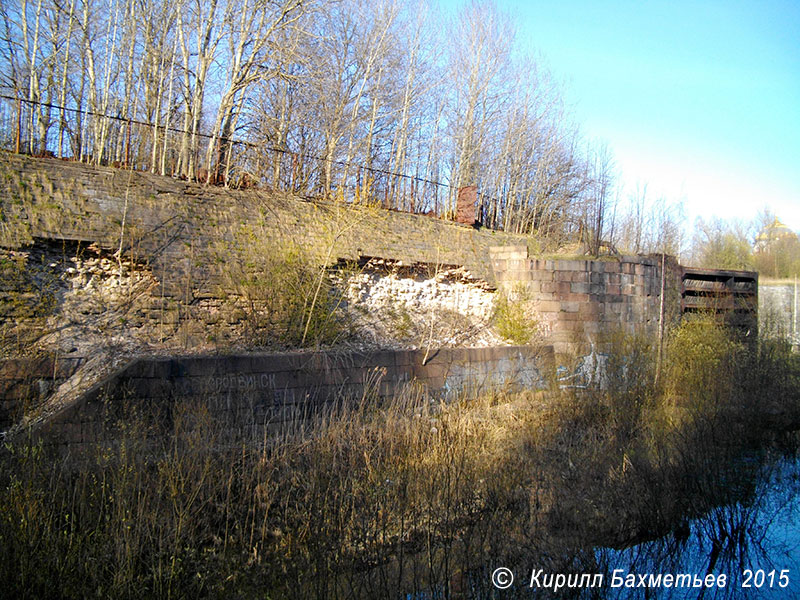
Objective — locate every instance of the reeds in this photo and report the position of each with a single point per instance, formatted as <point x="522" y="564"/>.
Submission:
<point x="415" y="496"/>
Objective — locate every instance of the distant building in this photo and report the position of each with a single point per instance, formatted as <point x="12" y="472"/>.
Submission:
<point x="774" y="232"/>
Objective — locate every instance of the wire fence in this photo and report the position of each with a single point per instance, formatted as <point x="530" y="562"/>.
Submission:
<point x="96" y="137"/>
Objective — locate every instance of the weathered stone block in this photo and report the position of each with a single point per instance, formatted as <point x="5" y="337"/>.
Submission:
<point x="520" y="275"/>
<point x="571" y="265"/>
<point x="499" y="264"/>
<point x="568" y="326"/>
<point x="516" y="264"/>
<point x="549" y="287"/>
<point x="548" y="306"/>
<point x="611" y="267"/>
<point x="515" y="252"/>
<point x="580" y="276"/>
<point x="581" y="288"/>
<point x="582" y="298"/>
<point x="571" y="307"/>
<point x="591" y="327"/>
<point x="590" y="309"/>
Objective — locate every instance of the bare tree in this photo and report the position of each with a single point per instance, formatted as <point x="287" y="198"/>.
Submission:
<point x="482" y="39"/>
<point x="598" y="197"/>
<point x="249" y="26"/>
<point x="200" y="18"/>
<point x="720" y="244"/>
<point x="328" y="95"/>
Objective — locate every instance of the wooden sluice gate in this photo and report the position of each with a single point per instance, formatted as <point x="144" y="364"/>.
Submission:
<point x="732" y="295"/>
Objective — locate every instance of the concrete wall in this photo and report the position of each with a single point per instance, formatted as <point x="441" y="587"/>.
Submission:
<point x="249" y="392"/>
<point x="778" y="308"/>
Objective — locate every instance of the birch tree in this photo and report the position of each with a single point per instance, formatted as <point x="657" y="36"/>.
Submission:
<point x="479" y="61"/>
<point x="200" y="18"/>
<point x="250" y="27"/>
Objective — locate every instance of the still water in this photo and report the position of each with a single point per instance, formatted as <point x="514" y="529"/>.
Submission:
<point x="752" y="545"/>
<point x="748" y="547"/>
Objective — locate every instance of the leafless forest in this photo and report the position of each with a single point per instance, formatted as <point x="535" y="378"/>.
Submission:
<point x="389" y="101"/>
<point x="392" y="102"/>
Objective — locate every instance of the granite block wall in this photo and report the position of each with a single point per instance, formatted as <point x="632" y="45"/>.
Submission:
<point x="248" y="393"/>
<point x="172" y="223"/>
<point x="578" y="300"/>
<point x="27" y="381"/>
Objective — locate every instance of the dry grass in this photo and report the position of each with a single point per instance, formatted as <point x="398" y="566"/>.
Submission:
<point x="361" y="501"/>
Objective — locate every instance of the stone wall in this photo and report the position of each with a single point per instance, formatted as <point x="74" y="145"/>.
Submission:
<point x="172" y="223"/>
<point x="27" y="381"/>
<point x="203" y="248"/>
<point x="577" y="301"/>
<point x="175" y="227"/>
<point x="249" y="392"/>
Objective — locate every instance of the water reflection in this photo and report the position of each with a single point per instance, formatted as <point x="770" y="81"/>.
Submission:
<point x="753" y="541"/>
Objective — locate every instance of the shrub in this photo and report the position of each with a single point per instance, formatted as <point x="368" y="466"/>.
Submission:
<point x="285" y="296"/>
<point x="514" y="318"/>
<point x="701" y="365"/>
<point x="413" y="497"/>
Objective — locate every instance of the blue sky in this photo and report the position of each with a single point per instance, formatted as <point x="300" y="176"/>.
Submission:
<point x="698" y="100"/>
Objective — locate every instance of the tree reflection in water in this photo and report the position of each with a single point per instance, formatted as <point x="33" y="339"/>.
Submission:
<point x="752" y="540"/>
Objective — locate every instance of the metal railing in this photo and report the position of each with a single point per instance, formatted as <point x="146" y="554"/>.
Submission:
<point x="96" y="137"/>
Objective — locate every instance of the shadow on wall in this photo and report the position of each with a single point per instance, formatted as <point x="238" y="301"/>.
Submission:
<point x="260" y="390"/>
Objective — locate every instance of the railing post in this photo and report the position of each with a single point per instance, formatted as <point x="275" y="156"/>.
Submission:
<point x="128" y="145"/>
<point x="19" y="125"/>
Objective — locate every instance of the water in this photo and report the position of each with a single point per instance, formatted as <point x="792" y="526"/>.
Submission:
<point x="745" y="547"/>
<point x="750" y="544"/>
<point x="753" y="542"/>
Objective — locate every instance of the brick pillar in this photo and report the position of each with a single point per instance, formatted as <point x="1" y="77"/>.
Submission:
<point x="467" y="205"/>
